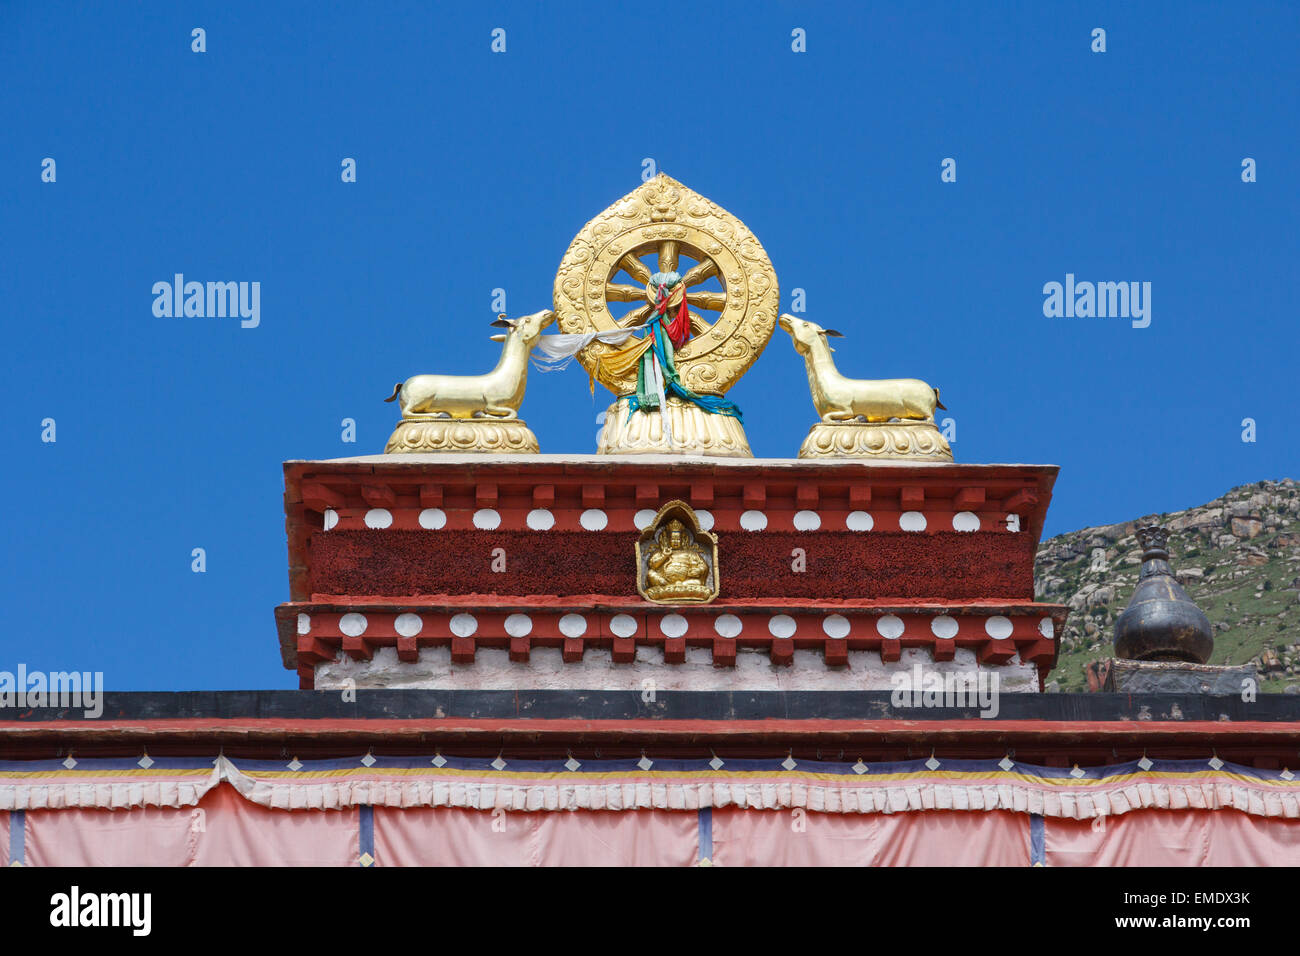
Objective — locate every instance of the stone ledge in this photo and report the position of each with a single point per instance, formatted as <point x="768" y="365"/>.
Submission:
<point x="1176" y="677"/>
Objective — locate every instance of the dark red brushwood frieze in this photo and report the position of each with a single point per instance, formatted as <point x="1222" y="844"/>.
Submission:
<point x="949" y="565"/>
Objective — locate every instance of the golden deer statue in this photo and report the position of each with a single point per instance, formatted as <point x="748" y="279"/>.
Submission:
<point x="841" y="399"/>
<point x="497" y="395"/>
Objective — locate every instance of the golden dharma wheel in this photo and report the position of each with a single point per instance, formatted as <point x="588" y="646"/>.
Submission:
<point x="663" y="220"/>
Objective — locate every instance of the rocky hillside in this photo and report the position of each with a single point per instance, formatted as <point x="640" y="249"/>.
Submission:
<point x="1238" y="557"/>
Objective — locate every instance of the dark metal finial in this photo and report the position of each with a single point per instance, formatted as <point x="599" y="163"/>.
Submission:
<point x="1161" y="623"/>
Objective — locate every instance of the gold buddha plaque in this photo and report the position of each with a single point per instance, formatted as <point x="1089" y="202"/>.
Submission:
<point x="676" y="559"/>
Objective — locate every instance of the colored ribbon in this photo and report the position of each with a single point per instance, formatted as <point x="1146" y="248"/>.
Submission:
<point x="652" y="355"/>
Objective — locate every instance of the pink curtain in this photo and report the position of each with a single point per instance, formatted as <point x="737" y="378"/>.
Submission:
<point x="930" y="838"/>
<point x="143" y="836"/>
<point x="641" y="838"/>
<point x="227" y="830"/>
<point x="1174" y="838"/>
<point x="4" y="837"/>
<point x="223" y="830"/>
<point x="239" y="833"/>
<point x="422" y="836"/>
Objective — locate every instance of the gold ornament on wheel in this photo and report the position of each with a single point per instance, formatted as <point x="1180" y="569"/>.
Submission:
<point x="665" y="256"/>
<point x="676" y="559"/>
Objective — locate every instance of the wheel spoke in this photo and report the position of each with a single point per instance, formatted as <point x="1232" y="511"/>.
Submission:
<point x="635" y="268"/>
<point x="700" y="272"/>
<point x="614" y="292"/>
<point x="635" y="316"/>
<point x="668" y="255"/>
<point x="698" y="325"/>
<point x="713" y="301"/>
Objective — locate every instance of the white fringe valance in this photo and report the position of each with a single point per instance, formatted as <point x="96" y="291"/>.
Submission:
<point x="612" y="785"/>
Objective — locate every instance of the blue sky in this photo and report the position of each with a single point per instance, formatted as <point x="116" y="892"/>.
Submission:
<point x="474" y="172"/>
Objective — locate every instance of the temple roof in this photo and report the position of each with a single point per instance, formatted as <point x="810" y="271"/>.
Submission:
<point x="1050" y="729"/>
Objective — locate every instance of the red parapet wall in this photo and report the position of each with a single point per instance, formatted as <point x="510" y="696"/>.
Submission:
<point x="315" y="633"/>
<point x="838" y="564"/>
<point x="421" y="524"/>
<point x="824" y="554"/>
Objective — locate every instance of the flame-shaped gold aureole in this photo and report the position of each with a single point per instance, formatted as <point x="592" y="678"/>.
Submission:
<point x="664" y="218"/>
<point x="676" y="559"/>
